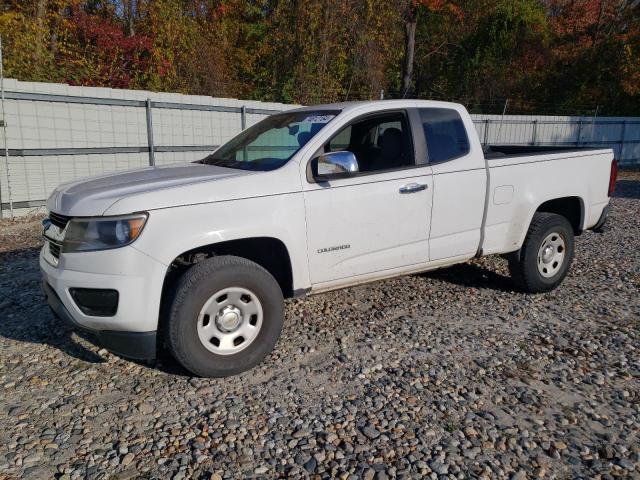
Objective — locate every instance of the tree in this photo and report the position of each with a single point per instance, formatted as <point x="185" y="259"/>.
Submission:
<point x="411" y="11"/>
<point x="594" y="53"/>
<point x="310" y="52"/>
<point x="550" y="55"/>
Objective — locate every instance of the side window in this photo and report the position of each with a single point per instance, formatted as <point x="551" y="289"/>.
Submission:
<point x="381" y="142"/>
<point x="382" y="127"/>
<point x="445" y="134"/>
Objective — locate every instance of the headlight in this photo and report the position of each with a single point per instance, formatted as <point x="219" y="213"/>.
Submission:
<point x="102" y="233"/>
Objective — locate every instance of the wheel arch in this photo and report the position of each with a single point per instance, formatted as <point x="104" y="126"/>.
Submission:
<point x="269" y="252"/>
<point x="570" y="207"/>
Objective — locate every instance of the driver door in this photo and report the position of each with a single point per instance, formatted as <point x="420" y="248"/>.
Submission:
<point x="376" y="221"/>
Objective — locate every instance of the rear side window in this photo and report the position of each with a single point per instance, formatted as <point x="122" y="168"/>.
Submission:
<point x="445" y="134"/>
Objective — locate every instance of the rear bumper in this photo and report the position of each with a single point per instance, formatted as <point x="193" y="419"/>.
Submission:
<point x="136" y="345"/>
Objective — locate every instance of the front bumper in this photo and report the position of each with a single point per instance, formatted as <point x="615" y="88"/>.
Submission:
<point x="136" y="345"/>
<point x="138" y="278"/>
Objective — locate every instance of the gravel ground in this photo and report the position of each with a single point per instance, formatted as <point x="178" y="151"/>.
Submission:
<point x="449" y="374"/>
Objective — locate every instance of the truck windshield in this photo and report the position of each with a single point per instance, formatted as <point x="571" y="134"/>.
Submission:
<point x="270" y="143"/>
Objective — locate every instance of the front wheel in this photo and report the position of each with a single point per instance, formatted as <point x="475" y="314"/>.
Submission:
<point x="546" y="254"/>
<point x="226" y="316"/>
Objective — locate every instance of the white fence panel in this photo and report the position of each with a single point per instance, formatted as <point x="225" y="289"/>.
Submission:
<point x="57" y="133"/>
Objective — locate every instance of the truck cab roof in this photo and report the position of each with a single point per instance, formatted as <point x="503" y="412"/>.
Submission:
<point x="379" y="105"/>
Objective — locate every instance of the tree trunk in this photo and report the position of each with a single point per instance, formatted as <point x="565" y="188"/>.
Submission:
<point x="129" y="13"/>
<point x="55" y="26"/>
<point x="41" y="10"/>
<point x="409" y="49"/>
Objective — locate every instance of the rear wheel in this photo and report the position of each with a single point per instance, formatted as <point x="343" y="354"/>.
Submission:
<point x="226" y="316"/>
<point x="546" y="254"/>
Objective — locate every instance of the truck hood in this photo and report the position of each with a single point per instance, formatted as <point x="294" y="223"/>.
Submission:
<point x="95" y="195"/>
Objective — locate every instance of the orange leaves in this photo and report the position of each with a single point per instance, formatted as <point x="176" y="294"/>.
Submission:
<point x="584" y="21"/>
<point x="631" y="71"/>
<point x="439" y="6"/>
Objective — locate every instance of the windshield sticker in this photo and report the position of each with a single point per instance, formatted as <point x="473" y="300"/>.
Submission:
<point x="319" y="118"/>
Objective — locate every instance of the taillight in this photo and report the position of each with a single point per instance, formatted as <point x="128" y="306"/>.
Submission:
<point x="613" y="177"/>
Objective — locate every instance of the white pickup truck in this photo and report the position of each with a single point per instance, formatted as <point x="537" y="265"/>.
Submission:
<point x="202" y="255"/>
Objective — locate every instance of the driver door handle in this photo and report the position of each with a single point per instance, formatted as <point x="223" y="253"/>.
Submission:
<point x="413" y="187"/>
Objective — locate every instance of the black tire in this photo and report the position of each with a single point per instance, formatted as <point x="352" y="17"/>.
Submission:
<point x="195" y="288"/>
<point x="523" y="264"/>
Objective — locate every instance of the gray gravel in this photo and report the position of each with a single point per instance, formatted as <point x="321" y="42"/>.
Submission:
<point x="449" y="374"/>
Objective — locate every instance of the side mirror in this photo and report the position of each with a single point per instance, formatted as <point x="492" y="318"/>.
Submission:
<point x="333" y="165"/>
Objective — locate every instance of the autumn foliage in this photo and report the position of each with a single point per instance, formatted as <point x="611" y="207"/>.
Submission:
<point x="544" y="55"/>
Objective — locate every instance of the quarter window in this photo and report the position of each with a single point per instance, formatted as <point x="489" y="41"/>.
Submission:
<point x="445" y="134"/>
<point x="341" y="141"/>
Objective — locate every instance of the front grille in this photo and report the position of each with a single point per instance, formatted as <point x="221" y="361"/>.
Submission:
<point x="54" y="249"/>
<point x="58" y="220"/>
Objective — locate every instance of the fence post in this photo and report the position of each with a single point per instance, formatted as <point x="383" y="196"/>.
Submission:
<point x="593" y="124"/>
<point x="486" y="131"/>
<point x="534" y="138"/>
<point x="243" y="117"/>
<point x="4" y="135"/>
<point x="152" y="158"/>
<point x="579" y="132"/>
<point x="4" y="126"/>
<point x="504" y="112"/>
<point x="243" y="125"/>
<point x="623" y="134"/>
